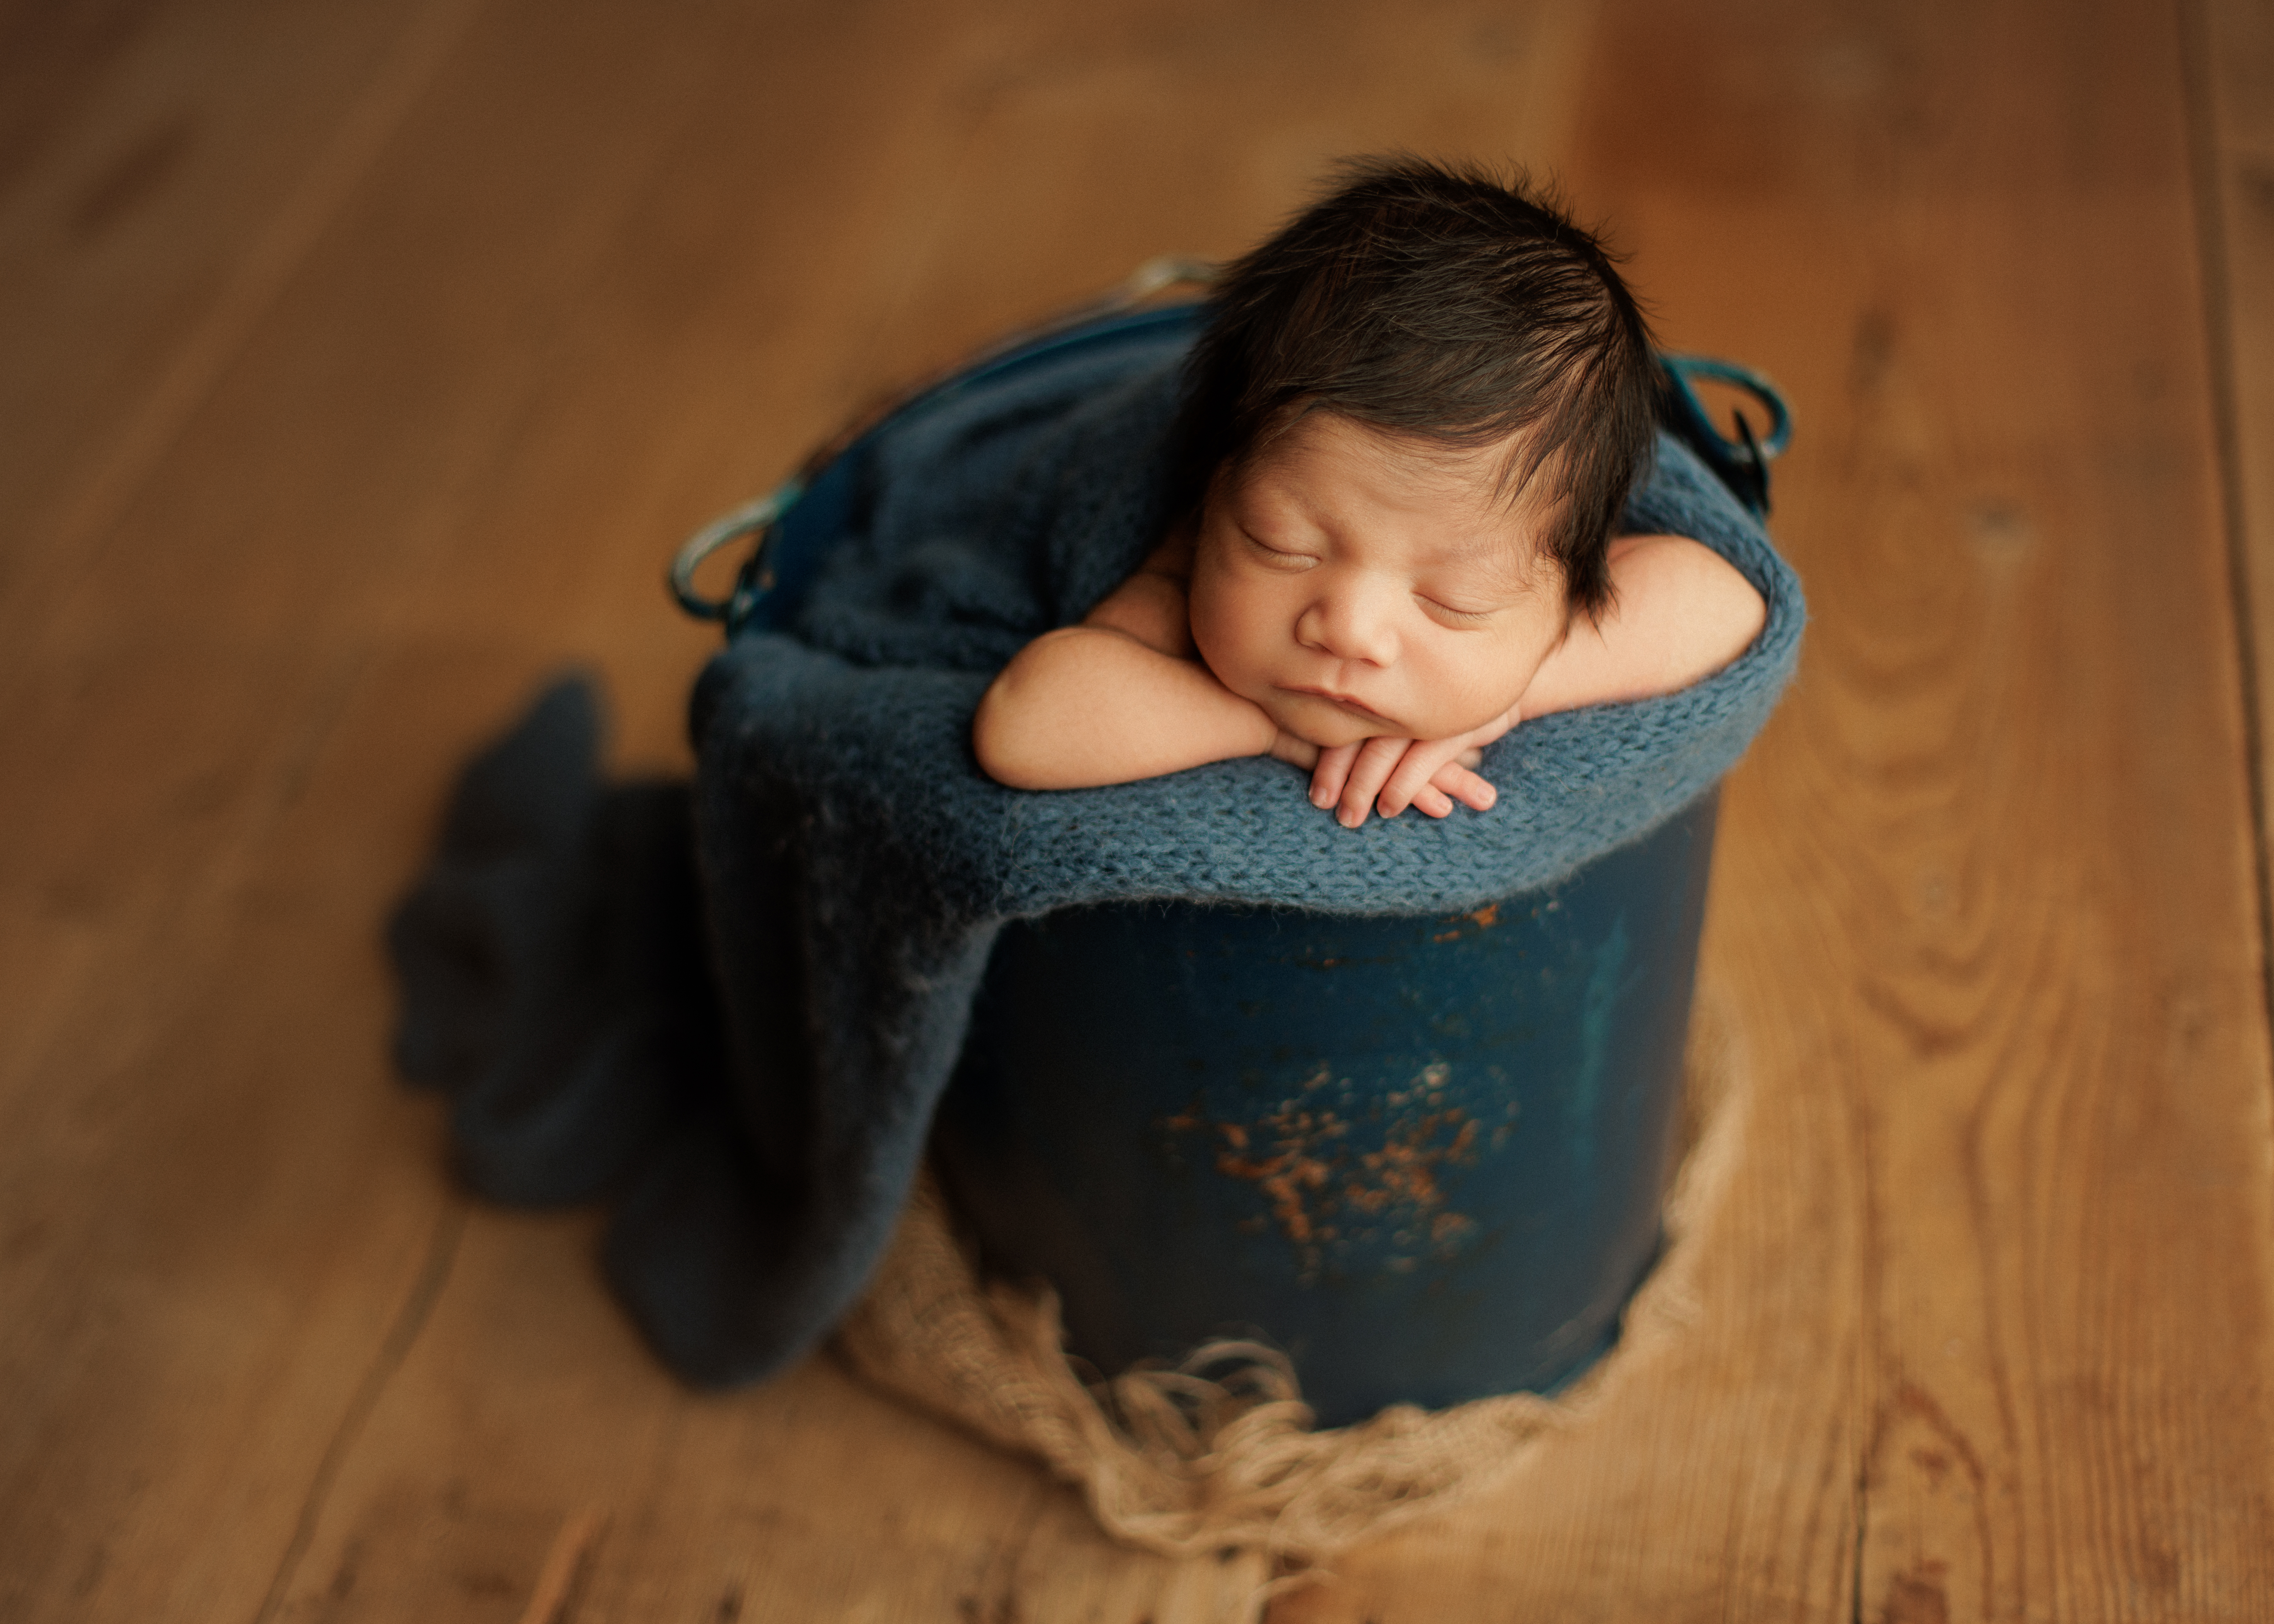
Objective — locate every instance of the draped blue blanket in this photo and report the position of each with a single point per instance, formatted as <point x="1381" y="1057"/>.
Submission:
<point x="852" y="865"/>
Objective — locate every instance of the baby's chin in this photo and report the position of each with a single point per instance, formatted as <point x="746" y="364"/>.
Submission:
<point x="1322" y="722"/>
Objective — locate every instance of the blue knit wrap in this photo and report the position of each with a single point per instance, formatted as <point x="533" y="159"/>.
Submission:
<point x="857" y="865"/>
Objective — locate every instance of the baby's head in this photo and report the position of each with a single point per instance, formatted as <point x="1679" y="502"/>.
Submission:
<point x="1408" y="430"/>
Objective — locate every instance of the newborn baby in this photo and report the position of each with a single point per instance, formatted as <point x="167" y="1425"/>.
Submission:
<point x="1408" y="431"/>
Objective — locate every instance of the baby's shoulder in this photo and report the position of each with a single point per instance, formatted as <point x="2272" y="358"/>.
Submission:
<point x="1699" y="611"/>
<point x="1686" y="576"/>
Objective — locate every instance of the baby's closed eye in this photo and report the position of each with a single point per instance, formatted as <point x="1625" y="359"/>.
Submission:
<point x="1277" y="558"/>
<point x="1453" y="613"/>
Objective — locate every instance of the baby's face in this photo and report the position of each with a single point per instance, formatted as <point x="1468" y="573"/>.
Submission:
<point x="1356" y="583"/>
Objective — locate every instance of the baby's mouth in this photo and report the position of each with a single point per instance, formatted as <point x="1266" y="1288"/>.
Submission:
<point x="1342" y="702"/>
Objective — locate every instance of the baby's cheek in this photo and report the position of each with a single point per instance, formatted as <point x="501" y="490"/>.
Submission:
<point x="1466" y="701"/>
<point x="1224" y="641"/>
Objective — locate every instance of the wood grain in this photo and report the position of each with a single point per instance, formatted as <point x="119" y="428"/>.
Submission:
<point x="364" y="363"/>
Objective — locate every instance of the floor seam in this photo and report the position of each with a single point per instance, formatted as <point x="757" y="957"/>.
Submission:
<point x="402" y="1336"/>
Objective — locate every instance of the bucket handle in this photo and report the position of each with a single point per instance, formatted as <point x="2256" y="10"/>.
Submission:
<point x="755" y="580"/>
<point x="1743" y="463"/>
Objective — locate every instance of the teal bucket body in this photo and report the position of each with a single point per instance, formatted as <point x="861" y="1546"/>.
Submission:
<point x="1425" y="1156"/>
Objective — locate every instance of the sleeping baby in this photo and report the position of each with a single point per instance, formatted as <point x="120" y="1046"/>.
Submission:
<point x="1408" y="431"/>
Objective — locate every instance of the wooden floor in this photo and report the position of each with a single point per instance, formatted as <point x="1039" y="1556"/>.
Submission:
<point x="360" y="362"/>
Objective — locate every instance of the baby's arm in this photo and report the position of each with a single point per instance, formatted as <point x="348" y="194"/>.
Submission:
<point x="1679" y="612"/>
<point x="1121" y="696"/>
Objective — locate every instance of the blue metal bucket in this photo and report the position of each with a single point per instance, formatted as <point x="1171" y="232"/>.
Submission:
<point x="1425" y="1156"/>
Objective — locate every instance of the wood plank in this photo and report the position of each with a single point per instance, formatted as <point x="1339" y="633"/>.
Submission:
<point x="2233" y="44"/>
<point x="163" y="168"/>
<point x="1982" y="906"/>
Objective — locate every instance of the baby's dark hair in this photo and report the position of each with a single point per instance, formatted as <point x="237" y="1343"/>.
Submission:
<point x="1447" y="304"/>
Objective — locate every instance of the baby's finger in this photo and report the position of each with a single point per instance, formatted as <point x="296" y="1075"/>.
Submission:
<point x="1331" y="773"/>
<point x="1412" y="774"/>
<point x="1432" y="800"/>
<point x="1375" y="759"/>
<point x="1465" y="786"/>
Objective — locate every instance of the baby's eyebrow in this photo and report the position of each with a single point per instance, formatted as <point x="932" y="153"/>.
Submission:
<point x="1497" y="567"/>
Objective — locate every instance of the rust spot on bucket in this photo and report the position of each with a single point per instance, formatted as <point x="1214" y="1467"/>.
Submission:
<point x="1484" y="919"/>
<point x="1286" y="1179"/>
<point x="1321" y="1190"/>
<point x="1446" y="1227"/>
<point x="1404" y="1172"/>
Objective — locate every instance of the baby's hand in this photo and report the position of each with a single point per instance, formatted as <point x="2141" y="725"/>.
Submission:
<point x="1390" y="774"/>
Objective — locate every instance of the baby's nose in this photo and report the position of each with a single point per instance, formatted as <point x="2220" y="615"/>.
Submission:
<point x="1352" y="624"/>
